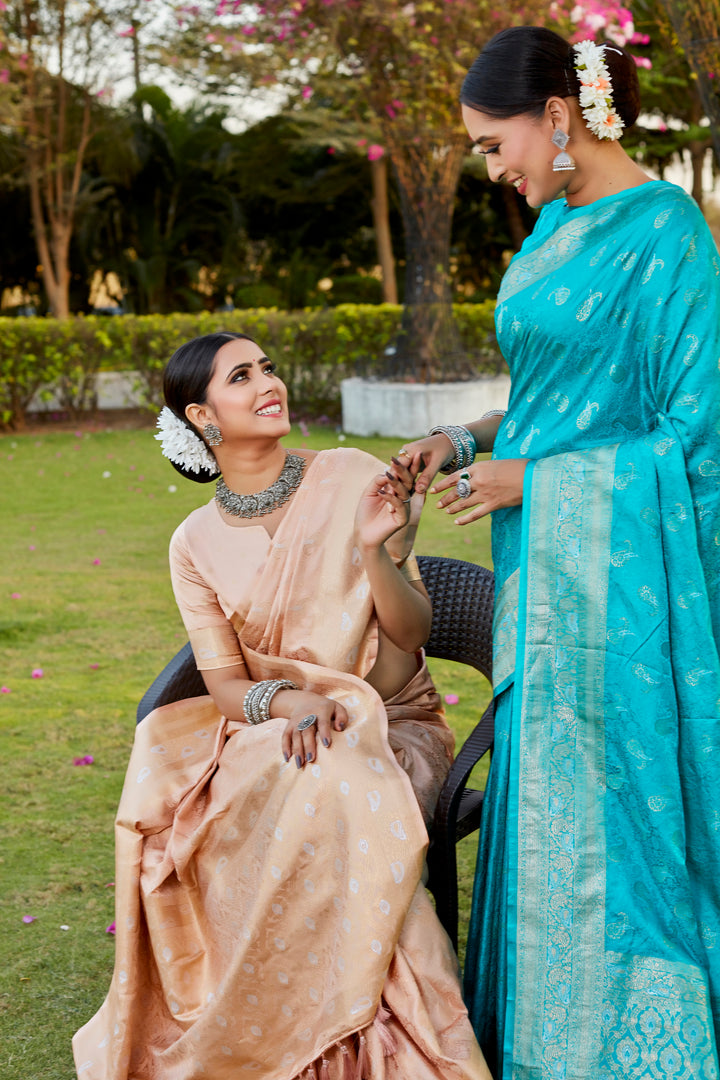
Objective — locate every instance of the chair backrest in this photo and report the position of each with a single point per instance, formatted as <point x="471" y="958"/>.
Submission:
<point x="462" y="595"/>
<point x="180" y="679"/>
<point x="462" y="599"/>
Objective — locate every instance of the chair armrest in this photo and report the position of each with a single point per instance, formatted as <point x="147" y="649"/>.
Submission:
<point x="477" y="744"/>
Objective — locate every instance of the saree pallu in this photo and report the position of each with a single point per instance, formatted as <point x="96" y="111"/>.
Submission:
<point x="270" y="920"/>
<point x="594" y="949"/>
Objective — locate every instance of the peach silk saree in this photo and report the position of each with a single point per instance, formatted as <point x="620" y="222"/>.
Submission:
<point x="271" y="921"/>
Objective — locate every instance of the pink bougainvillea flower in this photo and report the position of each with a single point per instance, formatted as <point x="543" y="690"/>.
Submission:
<point x="37" y="673"/>
<point x="94" y="667"/>
<point x="31" y="547"/>
<point x="5" y="690"/>
<point x="96" y="562"/>
<point x="451" y="699"/>
<point x="331" y="150"/>
<point x="29" y="918"/>
<point x="4" y="75"/>
<point x="375" y="152"/>
<point x="15" y="596"/>
<point x="110" y="929"/>
<point x="87" y="760"/>
<point x="307" y="92"/>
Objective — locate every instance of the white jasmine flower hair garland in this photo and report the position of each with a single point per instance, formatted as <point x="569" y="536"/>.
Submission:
<point x="596" y="99"/>
<point x="183" y="446"/>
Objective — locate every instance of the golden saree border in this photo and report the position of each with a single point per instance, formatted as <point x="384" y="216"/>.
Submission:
<point x="410" y="569"/>
<point x="215" y="647"/>
<point x="664" y="1027"/>
<point x="560" y="892"/>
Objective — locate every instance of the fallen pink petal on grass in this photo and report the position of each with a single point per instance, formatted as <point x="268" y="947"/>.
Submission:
<point x="96" y="562"/>
<point x="451" y="699"/>
<point x="87" y="760"/>
<point x="29" y="918"/>
<point x="5" y="690"/>
<point x="94" y="667"/>
<point x="16" y="596"/>
<point x="110" y="929"/>
<point x="37" y="673"/>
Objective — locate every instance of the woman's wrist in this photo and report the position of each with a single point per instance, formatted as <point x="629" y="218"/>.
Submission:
<point x="257" y="700"/>
<point x="485" y="429"/>
<point x="463" y="445"/>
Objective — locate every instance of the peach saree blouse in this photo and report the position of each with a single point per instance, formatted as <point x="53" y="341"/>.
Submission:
<point x="270" y="921"/>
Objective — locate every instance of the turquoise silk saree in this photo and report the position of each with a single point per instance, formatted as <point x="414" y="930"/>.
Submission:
<point x="594" y="946"/>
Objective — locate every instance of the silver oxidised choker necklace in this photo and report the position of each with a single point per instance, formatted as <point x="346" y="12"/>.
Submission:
<point x="263" y="502"/>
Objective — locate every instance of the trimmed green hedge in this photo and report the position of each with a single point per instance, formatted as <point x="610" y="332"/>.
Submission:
<point x="314" y="349"/>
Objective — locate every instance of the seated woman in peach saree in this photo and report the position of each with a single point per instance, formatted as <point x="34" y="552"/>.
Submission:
<point x="270" y="915"/>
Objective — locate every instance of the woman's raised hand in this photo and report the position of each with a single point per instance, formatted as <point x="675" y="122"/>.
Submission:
<point x="298" y="706"/>
<point x="386" y="505"/>
<point x="425" y="457"/>
<point x="493" y="485"/>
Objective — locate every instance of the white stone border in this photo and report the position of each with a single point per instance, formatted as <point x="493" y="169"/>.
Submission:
<point x="114" y="389"/>
<point x="409" y="410"/>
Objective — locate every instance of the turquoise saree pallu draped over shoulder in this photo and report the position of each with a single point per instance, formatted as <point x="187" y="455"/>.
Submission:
<point x="594" y="945"/>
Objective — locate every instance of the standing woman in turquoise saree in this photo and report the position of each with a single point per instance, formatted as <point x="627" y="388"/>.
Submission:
<point x="594" y="944"/>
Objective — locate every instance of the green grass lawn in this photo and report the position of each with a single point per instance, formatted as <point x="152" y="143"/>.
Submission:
<point x="85" y="600"/>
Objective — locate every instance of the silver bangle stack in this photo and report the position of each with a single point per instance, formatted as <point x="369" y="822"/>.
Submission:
<point x="256" y="702"/>
<point x="463" y="444"/>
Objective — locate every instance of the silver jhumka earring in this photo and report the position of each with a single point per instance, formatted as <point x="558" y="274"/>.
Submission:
<point x="212" y="435"/>
<point x="562" y="162"/>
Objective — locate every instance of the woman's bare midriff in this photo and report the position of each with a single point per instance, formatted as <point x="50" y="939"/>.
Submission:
<point x="393" y="669"/>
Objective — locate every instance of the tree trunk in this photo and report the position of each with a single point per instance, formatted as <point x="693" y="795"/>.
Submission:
<point x="381" y="222"/>
<point x="428" y="348"/>
<point x="697" y="160"/>
<point x="518" y="232"/>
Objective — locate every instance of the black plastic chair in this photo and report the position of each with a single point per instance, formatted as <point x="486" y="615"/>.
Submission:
<point x="462" y="596"/>
<point x="462" y="601"/>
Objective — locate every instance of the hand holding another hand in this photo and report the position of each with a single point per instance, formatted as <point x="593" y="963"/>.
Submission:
<point x="494" y="484"/>
<point x="388" y="504"/>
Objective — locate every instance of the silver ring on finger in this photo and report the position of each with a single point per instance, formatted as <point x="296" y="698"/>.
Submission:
<point x="463" y="488"/>
<point x="307" y="721"/>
